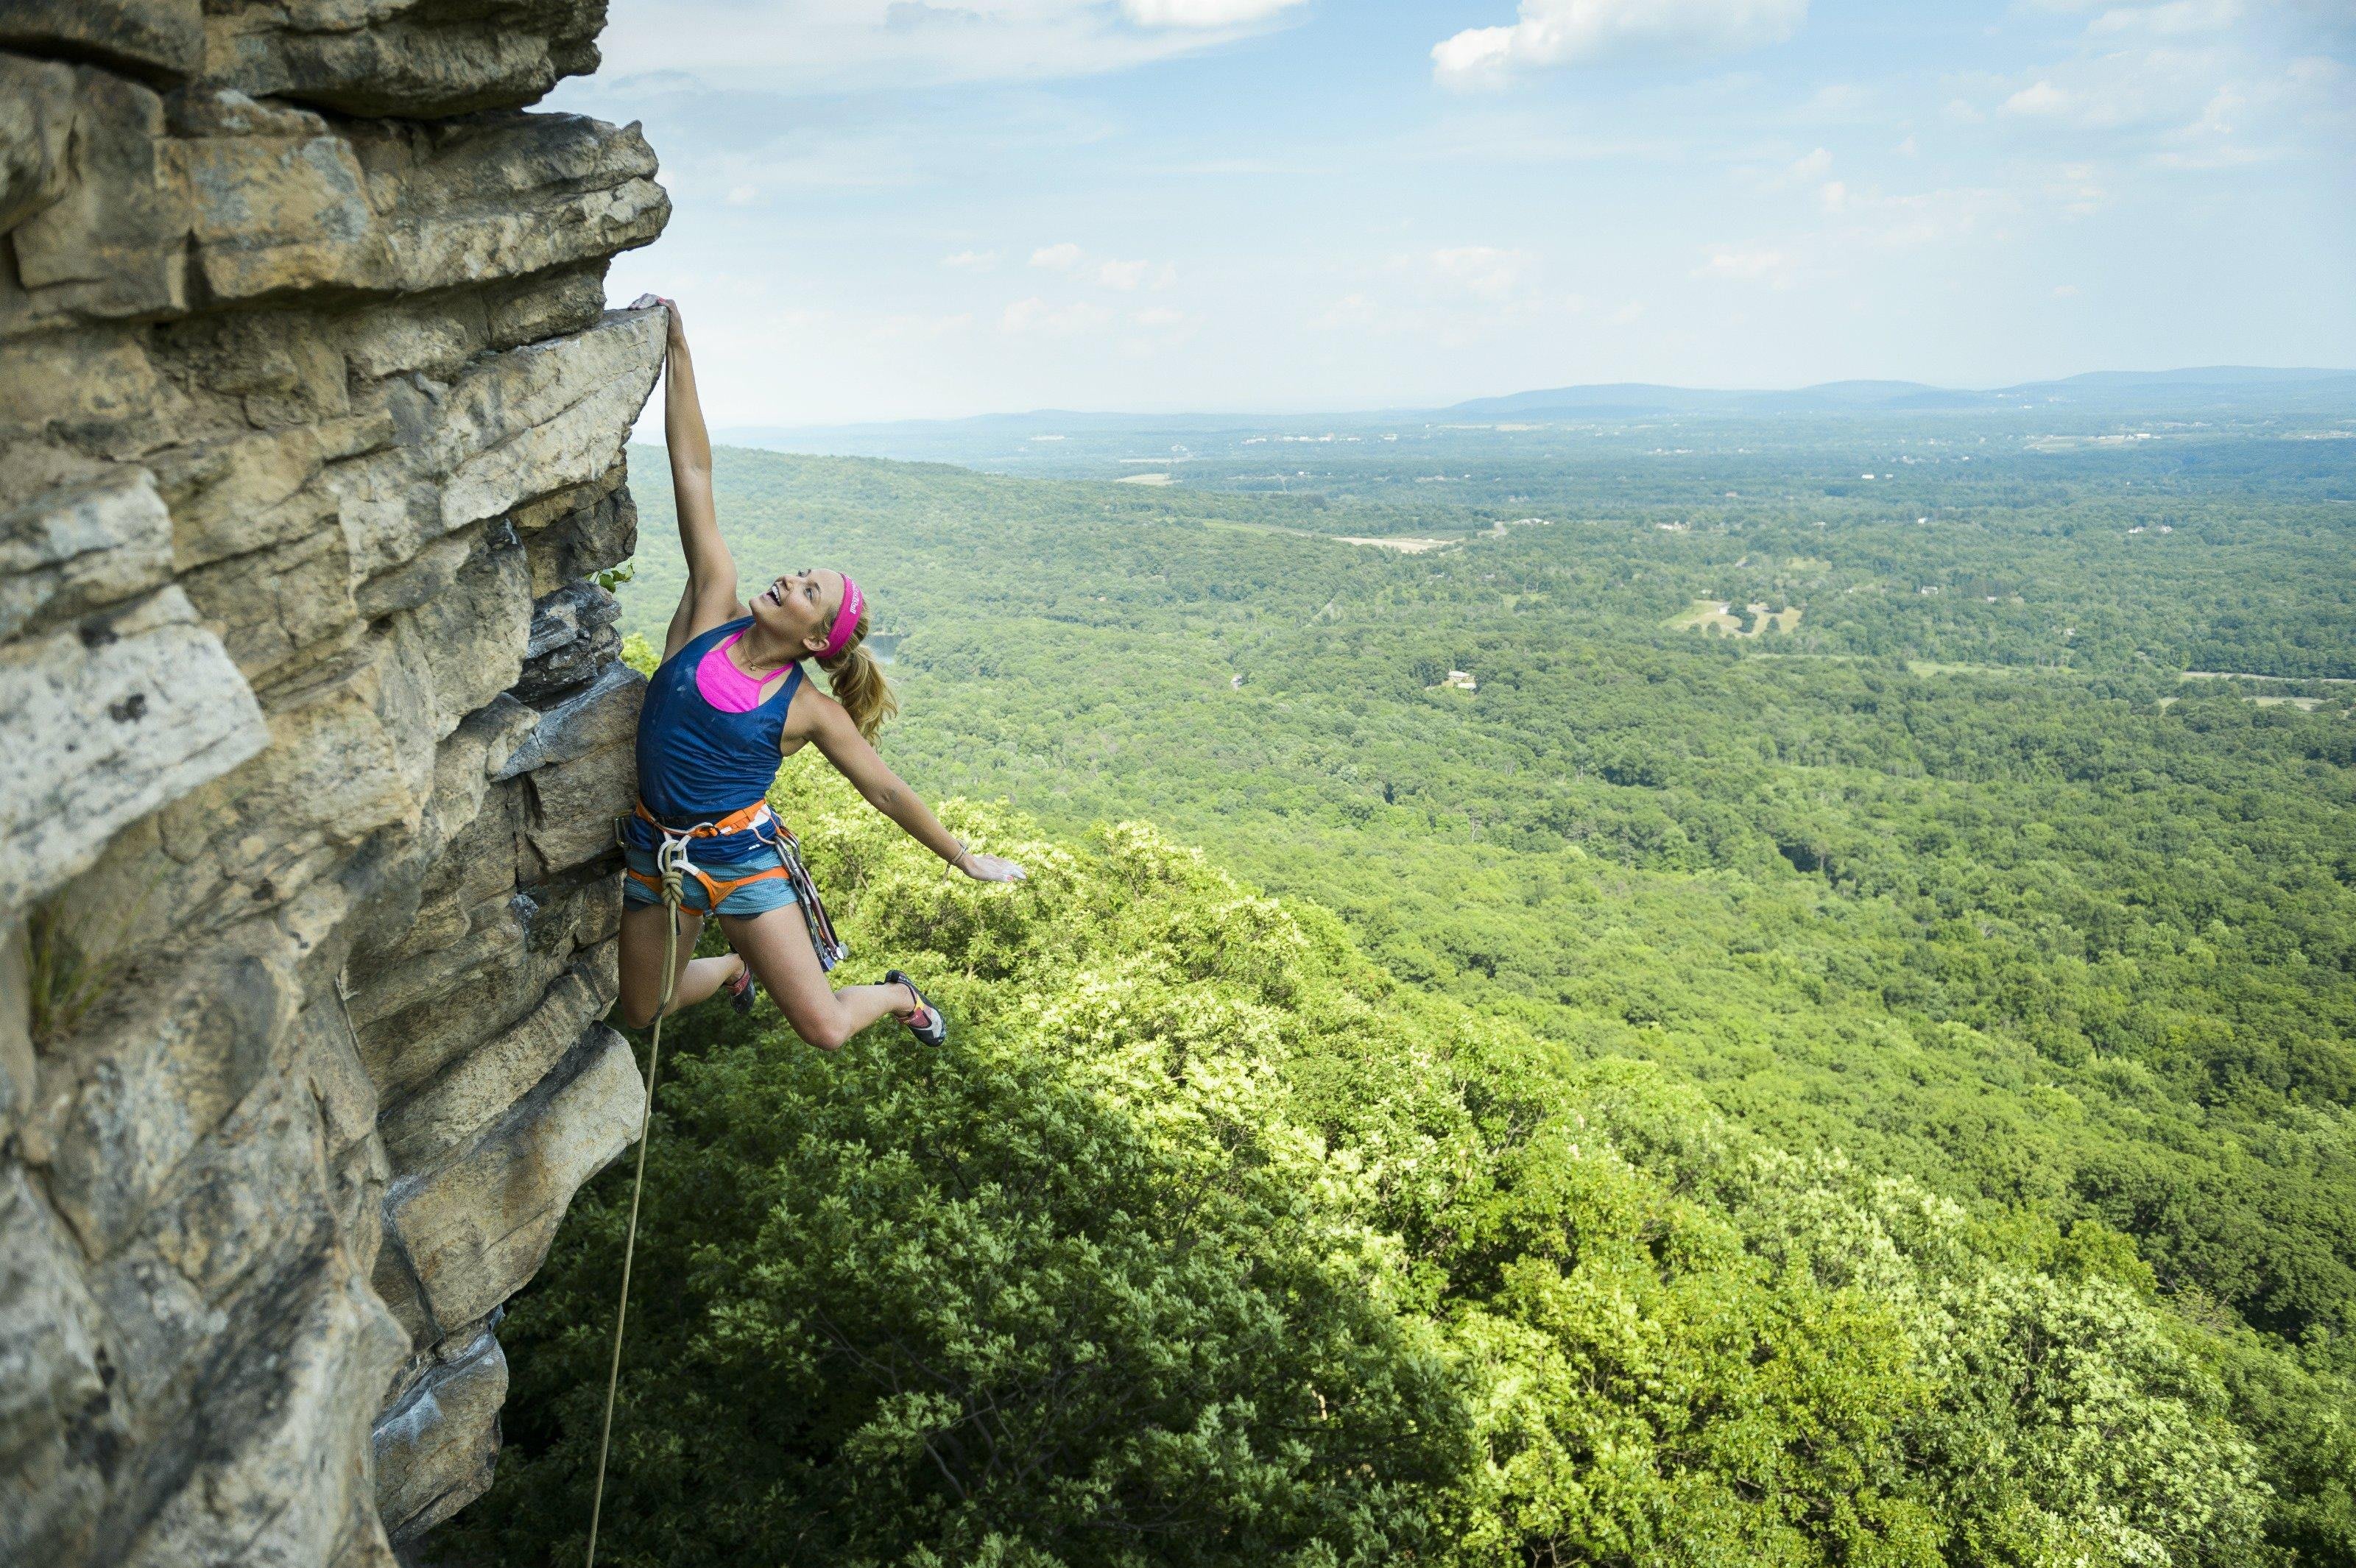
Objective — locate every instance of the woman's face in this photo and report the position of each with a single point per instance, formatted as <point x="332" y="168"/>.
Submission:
<point x="801" y="607"/>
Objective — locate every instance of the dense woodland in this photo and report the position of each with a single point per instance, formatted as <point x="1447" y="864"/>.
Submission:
<point x="1873" y="1089"/>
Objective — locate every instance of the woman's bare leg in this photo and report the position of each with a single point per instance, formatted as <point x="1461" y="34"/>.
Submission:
<point x="778" y="945"/>
<point x="642" y="962"/>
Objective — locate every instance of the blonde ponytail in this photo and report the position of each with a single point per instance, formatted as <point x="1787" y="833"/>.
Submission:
<point x="858" y="683"/>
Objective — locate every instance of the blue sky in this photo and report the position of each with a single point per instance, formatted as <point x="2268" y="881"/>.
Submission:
<point x="890" y="208"/>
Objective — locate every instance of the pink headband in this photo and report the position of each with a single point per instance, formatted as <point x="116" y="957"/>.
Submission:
<point x="846" y="619"/>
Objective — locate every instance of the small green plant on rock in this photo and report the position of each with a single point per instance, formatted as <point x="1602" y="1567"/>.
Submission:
<point x="64" y="973"/>
<point x="61" y="977"/>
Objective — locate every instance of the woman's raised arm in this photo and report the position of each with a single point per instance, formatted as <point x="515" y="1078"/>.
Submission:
<point x="711" y="595"/>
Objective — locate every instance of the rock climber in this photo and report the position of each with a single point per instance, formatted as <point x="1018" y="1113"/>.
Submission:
<point x="728" y="703"/>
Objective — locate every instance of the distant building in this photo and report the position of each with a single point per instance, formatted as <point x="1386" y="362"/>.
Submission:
<point x="1461" y="679"/>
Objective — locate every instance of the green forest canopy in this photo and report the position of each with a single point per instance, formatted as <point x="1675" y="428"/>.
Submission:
<point x="1955" y="919"/>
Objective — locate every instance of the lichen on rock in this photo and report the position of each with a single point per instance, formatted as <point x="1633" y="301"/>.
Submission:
<point x="311" y="435"/>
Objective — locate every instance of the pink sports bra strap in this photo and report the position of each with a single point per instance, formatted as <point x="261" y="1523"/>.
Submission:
<point x="721" y="684"/>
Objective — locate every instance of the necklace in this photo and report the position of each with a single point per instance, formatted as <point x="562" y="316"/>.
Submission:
<point x="762" y="675"/>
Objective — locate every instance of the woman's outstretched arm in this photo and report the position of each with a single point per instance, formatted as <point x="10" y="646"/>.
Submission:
<point x="857" y="761"/>
<point x="711" y="594"/>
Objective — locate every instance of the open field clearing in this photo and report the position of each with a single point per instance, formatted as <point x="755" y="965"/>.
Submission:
<point x="2235" y="675"/>
<point x="1405" y="545"/>
<point x="1721" y="613"/>
<point x="1928" y="667"/>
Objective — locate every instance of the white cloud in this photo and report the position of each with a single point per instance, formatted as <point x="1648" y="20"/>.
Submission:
<point x="2075" y="186"/>
<point x="1925" y="218"/>
<point x="1203" y="13"/>
<point x="1844" y="101"/>
<point x="1135" y="275"/>
<point x="1832" y="196"/>
<point x="830" y="45"/>
<point x="2318" y="73"/>
<point x="1155" y="330"/>
<point x="922" y="328"/>
<point x="1812" y="165"/>
<point x="1627" y="315"/>
<point x="1484" y="269"/>
<point x="2183" y="83"/>
<point x="1350" y="312"/>
<point x="1574" y="32"/>
<point x="1035" y="316"/>
<point x="743" y="195"/>
<point x="1453" y="297"/>
<point x="1109" y="272"/>
<point x="2130" y="89"/>
<point x="1748" y="264"/>
<point x="2175" y="18"/>
<point x="970" y="260"/>
<point x="2041" y="99"/>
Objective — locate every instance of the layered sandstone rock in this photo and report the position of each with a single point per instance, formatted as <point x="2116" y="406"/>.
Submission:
<point x="311" y="423"/>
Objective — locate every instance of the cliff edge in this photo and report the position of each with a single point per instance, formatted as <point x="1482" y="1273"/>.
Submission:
<point x="311" y="430"/>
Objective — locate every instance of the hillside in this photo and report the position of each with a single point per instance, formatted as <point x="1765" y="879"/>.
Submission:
<point x="1971" y="887"/>
<point x="1204" y="1242"/>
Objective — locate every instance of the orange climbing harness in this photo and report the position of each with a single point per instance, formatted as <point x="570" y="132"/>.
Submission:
<point x="673" y="861"/>
<point x="676" y="841"/>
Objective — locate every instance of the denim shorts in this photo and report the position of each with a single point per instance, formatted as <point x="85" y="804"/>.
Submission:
<point x="756" y="898"/>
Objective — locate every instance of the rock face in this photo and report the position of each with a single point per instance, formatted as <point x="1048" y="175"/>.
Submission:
<point x="311" y="426"/>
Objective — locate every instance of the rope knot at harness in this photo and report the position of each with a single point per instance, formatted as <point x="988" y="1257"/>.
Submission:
<point x="673" y="861"/>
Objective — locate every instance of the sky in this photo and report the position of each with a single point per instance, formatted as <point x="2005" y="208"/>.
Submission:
<point x="897" y="208"/>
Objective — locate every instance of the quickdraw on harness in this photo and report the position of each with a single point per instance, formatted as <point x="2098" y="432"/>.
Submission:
<point x="674" y="858"/>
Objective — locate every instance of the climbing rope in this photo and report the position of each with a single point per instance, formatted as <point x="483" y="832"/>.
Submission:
<point x="675" y="865"/>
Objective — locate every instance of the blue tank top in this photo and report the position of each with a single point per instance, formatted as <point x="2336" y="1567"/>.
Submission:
<point x="697" y="762"/>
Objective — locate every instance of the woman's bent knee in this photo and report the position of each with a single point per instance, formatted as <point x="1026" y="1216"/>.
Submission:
<point x="639" y="1005"/>
<point x="827" y="1034"/>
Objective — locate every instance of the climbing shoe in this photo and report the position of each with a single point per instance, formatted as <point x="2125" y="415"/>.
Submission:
<point x="925" y="1023"/>
<point x="741" y="990"/>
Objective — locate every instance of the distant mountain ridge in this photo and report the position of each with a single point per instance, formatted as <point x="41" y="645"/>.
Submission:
<point x="2234" y="385"/>
<point x="2220" y="387"/>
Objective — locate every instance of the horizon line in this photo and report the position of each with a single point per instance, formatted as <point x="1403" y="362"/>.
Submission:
<point x="2297" y="372"/>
